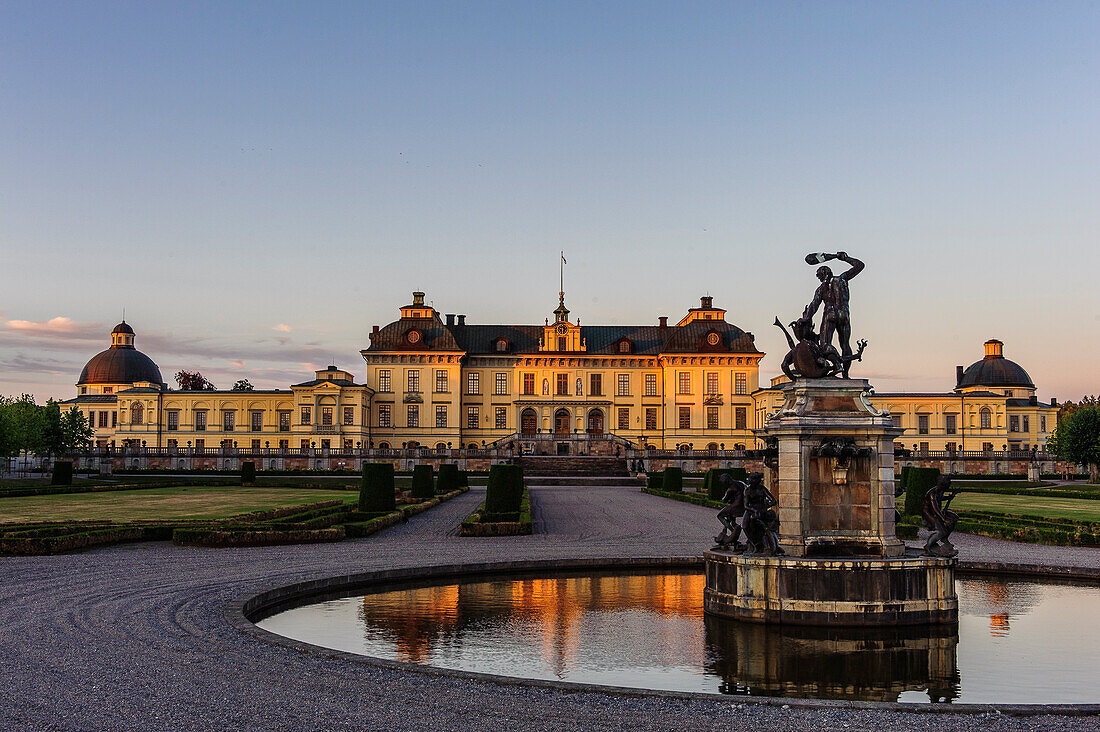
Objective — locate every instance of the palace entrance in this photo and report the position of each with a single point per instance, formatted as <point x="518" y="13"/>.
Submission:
<point x="528" y="421"/>
<point x="561" y="422"/>
<point x="595" y="422"/>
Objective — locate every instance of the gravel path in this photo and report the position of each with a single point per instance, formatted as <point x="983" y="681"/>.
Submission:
<point x="133" y="637"/>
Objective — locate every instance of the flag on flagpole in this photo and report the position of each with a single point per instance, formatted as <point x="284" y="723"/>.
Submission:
<point x="563" y="258"/>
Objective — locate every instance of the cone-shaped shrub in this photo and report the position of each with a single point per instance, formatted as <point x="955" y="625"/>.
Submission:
<point x="62" y="473"/>
<point x="714" y="488"/>
<point x="422" y="482"/>
<point x="248" y="473"/>
<point x="504" y="493"/>
<point x="376" y="492"/>
<point x="918" y="482"/>
<point x="673" y="481"/>
<point x="448" y="479"/>
<point x="653" y="481"/>
<point x="464" y="479"/>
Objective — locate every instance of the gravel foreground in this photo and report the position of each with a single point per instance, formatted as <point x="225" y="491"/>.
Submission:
<point x="133" y="636"/>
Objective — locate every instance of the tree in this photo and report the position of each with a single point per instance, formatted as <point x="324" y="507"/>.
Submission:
<point x="1069" y="407"/>
<point x="1077" y="438"/>
<point x="51" y="438"/>
<point x="76" y="433"/>
<point x="243" y="385"/>
<point x="193" y="381"/>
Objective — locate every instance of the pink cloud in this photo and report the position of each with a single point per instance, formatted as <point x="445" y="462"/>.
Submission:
<point x="282" y="328"/>
<point x="58" y="325"/>
<point x="238" y="364"/>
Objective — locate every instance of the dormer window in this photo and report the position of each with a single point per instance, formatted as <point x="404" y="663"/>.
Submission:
<point x="624" y="346"/>
<point x="502" y="345"/>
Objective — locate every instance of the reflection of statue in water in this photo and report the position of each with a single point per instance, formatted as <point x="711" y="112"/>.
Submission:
<point x="940" y="518"/>
<point x="832" y="297"/>
<point x="761" y="523"/>
<point x="734" y="498"/>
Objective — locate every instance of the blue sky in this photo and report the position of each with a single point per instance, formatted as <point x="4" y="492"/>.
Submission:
<point x="259" y="184"/>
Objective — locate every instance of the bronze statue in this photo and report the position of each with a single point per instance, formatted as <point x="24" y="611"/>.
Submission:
<point x="832" y="296"/>
<point x="734" y="498"/>
<point x="761" y="523"/>
<point x="940" y="519"/>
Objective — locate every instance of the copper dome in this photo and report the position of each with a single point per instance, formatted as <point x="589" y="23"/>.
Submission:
<point x="995" y="371"/>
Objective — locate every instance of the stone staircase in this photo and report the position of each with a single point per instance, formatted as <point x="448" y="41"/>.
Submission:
<point x="576" y="470"/>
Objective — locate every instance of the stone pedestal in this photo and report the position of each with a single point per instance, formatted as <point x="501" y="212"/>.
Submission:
<point x="829" y="506"/>
<point x="843" y="563"/>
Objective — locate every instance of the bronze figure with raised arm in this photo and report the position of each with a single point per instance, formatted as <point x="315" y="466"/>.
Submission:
<point x="832" y="297"/>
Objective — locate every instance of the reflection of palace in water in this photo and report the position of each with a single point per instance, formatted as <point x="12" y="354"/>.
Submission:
<point x="868" y="664"/>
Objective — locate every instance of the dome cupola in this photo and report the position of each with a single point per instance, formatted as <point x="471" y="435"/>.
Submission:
<point x="121" y="363"/>
<point x="994" y="371"/>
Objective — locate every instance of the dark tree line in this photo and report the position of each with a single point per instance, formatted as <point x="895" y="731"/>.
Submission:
<point x="43" y="429"/>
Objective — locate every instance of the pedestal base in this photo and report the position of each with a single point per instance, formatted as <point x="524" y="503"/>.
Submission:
<point x="908" y="590"/>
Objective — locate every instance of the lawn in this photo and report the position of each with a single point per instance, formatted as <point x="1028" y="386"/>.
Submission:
<point x="1078" y="509"/>
<point x="161" y="503"/>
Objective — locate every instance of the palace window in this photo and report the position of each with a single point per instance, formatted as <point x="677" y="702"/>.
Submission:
<point x="922" y="424"/>
<point x="502" y="346"/>
<point x="200" y="444"/>
<point x="305" y="444"/>
<point x="472" y="418"/>
<point x="384" y="380"/>
<point x="595" y="385"/>
<point x="255" y="445"/>
<point x="712" y="418"/>
<point x="441" y="415"/>
<point x="500" y="383"/>
<point x="200" y="420"/>
<point x="651" y="384"/>
<point x="347" y="445"/>
<point x="257" y="419"/>
<point x="114" y="419"/>
<point x="561" y="344"/>
<point x="624" y="346"/>
<point x="413" y="378"/>
<point x="897" y="420"/>
<point x="651" y="418"/>
<point x="987" y="447"/>
<point x="501" y="418"/>
<point x="624" y="418"/>
<point x="326" y="416"/>
<point x="685" y="418"/>
<point x="440" y="381"/>
<point x="712" y="383"/>
<point x="284" y="420"/>
<point x="229" y="420"/>
<point x="741" y="418"/>
<point x="349" y="415"/>
<point x="173" y="444"/>
<point x="385" y="415"/>
<point x="284" y="444"/>
<point x="528" y="384"/>
<point x="137" y="413"/>
<point x="952" y="446"/>
<point x="103" y="419"/>
<point x="683" y="382"/>
<point x="624" y="385"/>
<point x="307" y="415"/>
<point x="1026" y="423"/>
<point x="412" y="416"/>
<point x="108" y="390"/>
<point x="740" y="383"/>
<point x="950" y="424"/>
<point x="986" y="418"/>
<point x="1042" y="423"/>
<point x="1014" y="423"/>
<point x="924" y="447"/>
<point x="563" y="385"/>
<point x="473" y="383"/>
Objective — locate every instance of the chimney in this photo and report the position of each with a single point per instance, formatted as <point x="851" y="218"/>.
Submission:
<point x="706" y="302"/>
<point x="1053" y="402"/>
<point x="462" y="320"/>
<point x="373" y="333"/>
<point x="450" y="318"/>
<point x="1032" y="400"/>
<point x="958" y="375"/>
<point x="663" y="321"/>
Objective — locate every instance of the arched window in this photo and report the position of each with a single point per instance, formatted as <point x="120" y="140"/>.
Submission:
<point x="712" y="446"/>
<point x="383" y="446"/>
<point x="624" y="346"/>
<point x="441" y="446"/>
<point x="137" y="413"/>
<point x="683" y="447"/>
<point x="502" y="345"/>
<point x="472" y="446"/>
<point x="986" y="417"/>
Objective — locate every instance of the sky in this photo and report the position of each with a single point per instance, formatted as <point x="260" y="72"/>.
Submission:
<point x="257" y="184"/>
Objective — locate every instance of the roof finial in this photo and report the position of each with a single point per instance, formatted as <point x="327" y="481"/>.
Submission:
<point x="561" y="283"/>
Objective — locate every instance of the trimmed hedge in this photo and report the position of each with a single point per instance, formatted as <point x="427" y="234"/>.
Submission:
<point x="248" y="473"/>
<point x="62" y="473"/>
<point x="448" y="479"/>
<point x="254" y="537"/>
<point x="376" y="492"/>
<point x="504" y="492"/>
<point x="697" y="498"/>
<point x="714" y="488"/>
<point x="673" y="480"/>
<point x="917" y="483"/>
<point x="482" y="523"/>
<point x="1030" y="529"/>
<point x="422" y="482"/>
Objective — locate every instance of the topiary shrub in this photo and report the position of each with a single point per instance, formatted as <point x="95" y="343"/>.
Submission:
<point x="504" y="493"/>
<point x="918" y="482"/>
<point x="376" y="493"/>
<point x="62" y="473"/>
<point x="653" y="481"/>
<point x="448" y="479"/>
<point x="422" y="482"/>
<point x="464" y="478"/>
<point x="673" y="480"/>
<point x="714" y="488"/>
<point x="248" y="473"/>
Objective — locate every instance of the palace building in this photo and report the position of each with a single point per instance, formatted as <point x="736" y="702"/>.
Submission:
<point x="556" y="388"/>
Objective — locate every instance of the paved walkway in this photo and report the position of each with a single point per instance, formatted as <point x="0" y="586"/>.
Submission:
<point x="132" y="637"/>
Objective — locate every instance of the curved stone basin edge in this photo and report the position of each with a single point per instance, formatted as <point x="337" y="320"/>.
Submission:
<point x="243" y="612"/>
